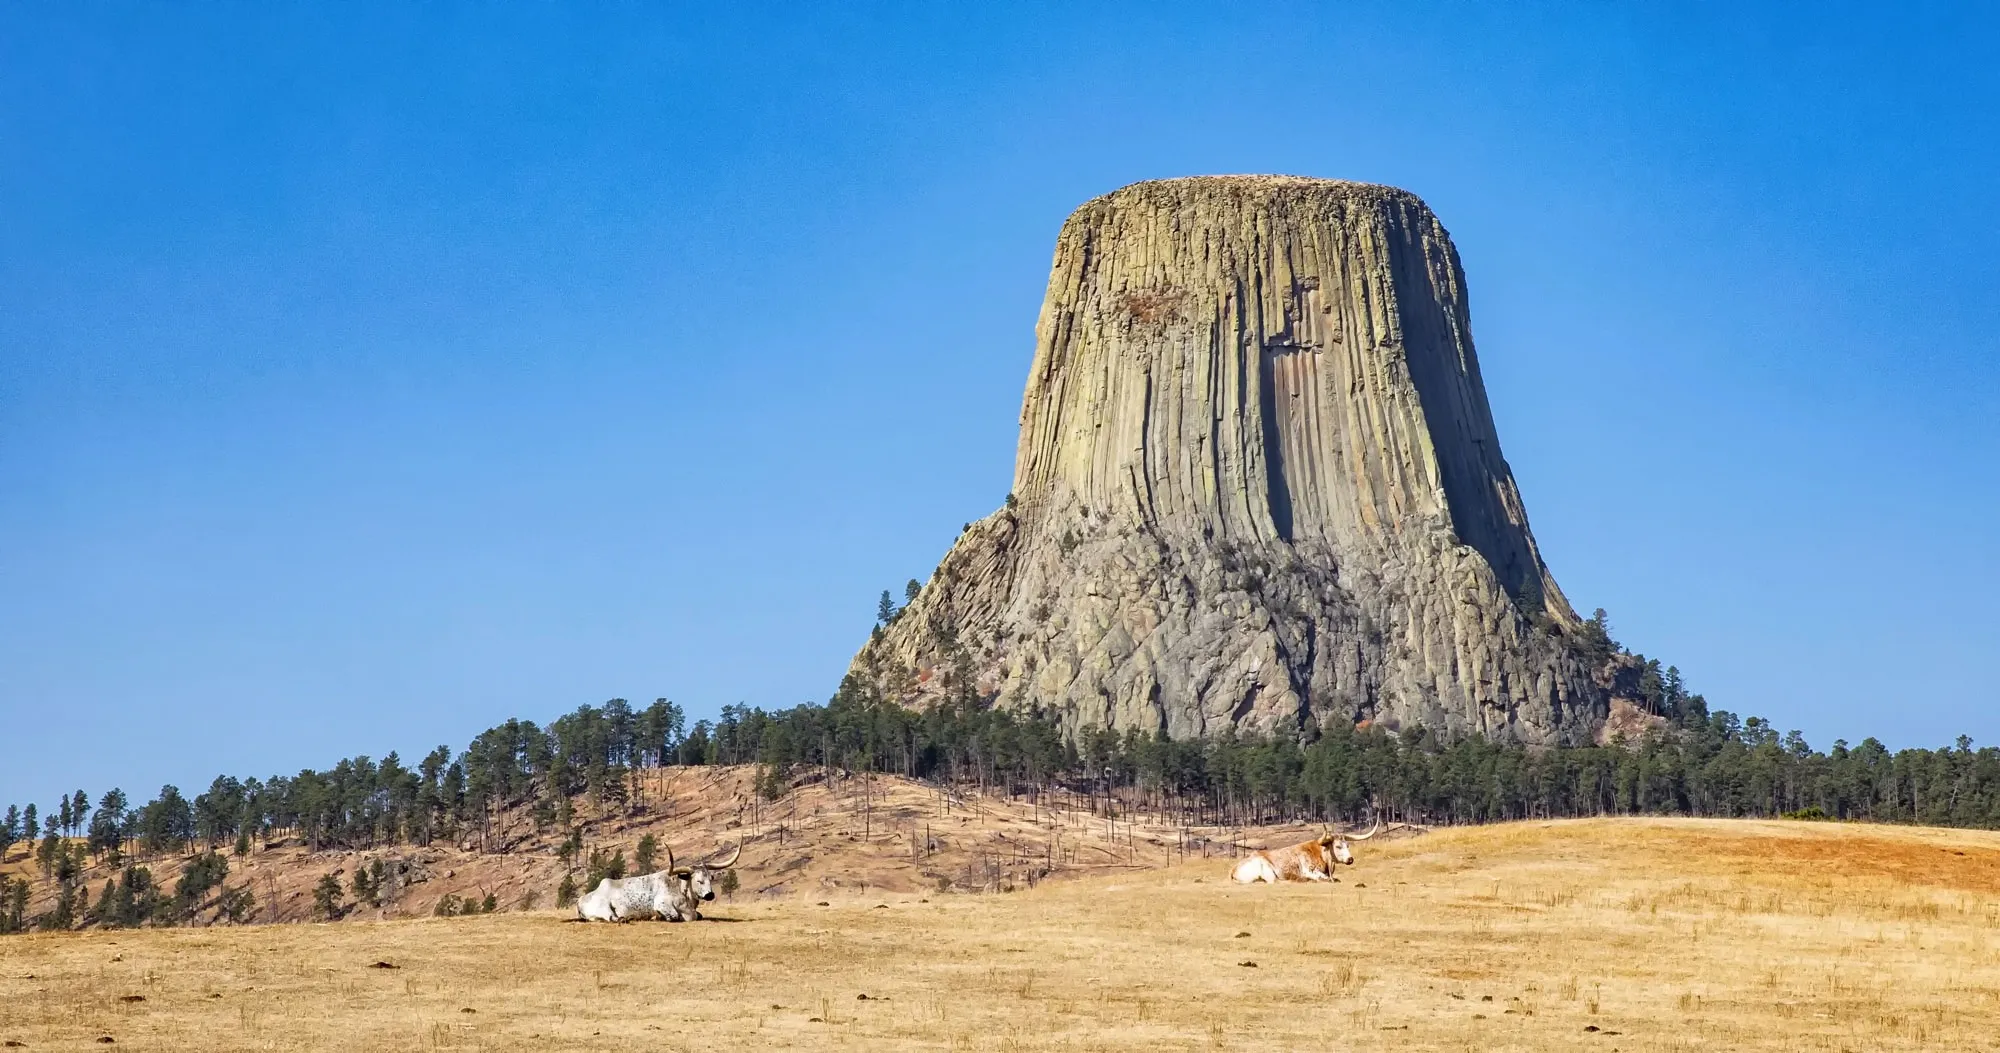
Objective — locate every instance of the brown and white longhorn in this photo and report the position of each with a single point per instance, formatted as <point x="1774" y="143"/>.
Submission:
<point x="1312" y="860"/>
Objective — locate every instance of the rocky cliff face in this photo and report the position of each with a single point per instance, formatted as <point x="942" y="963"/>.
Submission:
<point x="1258" y="486"/>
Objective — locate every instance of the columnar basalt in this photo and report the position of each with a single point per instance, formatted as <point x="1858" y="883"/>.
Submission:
<point x="1258" y="486"/>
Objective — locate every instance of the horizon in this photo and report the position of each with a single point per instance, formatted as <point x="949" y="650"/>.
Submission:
<point x="386" y="376"/>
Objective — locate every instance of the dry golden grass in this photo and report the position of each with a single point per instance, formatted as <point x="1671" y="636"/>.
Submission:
<point x="1657" y="934"/>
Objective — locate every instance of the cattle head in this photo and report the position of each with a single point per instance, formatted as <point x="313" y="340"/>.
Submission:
<point x="1337" y="843"/>
<point x="700" y="877"/>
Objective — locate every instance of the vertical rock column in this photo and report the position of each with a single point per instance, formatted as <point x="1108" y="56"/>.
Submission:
<point x="1258" y="485"/>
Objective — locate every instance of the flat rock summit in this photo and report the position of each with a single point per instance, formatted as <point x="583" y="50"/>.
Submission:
<point x="1258" y="487"/>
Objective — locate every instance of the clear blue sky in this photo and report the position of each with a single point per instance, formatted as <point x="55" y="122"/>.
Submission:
<point x="369" y="377"/>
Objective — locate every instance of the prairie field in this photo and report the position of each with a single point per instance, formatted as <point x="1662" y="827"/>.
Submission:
<point x="1625" y="935"/>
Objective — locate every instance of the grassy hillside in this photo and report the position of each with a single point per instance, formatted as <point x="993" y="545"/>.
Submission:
<point x="1631" y="934"/>
<point x="823" y="835"/>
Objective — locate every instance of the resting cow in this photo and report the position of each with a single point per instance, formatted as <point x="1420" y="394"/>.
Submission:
<point x="672" y="894"/>
<point x="1306" y="861"/>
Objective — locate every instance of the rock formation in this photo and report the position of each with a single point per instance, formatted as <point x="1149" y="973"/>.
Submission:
<point x="1258" y="486"/>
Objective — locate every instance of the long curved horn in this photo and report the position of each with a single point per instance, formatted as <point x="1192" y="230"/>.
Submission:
<point x="1372" y="831"/>
<point x="670" y="856"/>
<point x="725" y="864"/>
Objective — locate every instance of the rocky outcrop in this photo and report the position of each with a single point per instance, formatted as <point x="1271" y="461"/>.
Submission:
<point x="1258" y="487"/>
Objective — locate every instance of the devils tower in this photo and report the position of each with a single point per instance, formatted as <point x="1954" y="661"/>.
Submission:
<point x="1258" y="486"/>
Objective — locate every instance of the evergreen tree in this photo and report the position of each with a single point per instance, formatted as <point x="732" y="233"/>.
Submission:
<point x="51" y="847"/>
<point x="64" y="915"/>
<point x="132" y="901"/>
<point x="570" y="847"/>
<point x="14" y="905"/>
<point x="79" y="810"/>
<point x="31" y="827"/>
<point x="101" y="913"/>
<point x="644" y="855"/>
<point x="10" y="832"/>
<point x="1594" y="639"/>
<point x="235" y="905"/>
<point x="885" y="609"/>
<point x="910" y="590"/>
<point x="364" y="888"/>
<point x="326" y="898"/>
<point x="107" y="826"/>
<point x="566" y="891"/>
<point x="601" y="866"/>
<point x="166" y="823"/>
<point x="202" y="874"/>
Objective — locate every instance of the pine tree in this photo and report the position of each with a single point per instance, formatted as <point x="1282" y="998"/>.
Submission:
<point x="107" y="826"/>
<point x="885" y="609"/>
<point x="10" y="831"/>
<point x="17" y="906"/>
<point x="643" y="856"/>
<point x="600" y="866"/>
<point x="566" y="891"/>
<point x="202" y="873"/>
<point x="571" y="846"/>
<point x="51" y="847"/>
<point x="101" y="914"/>
<point x="326" y="898"/>
<point x="910" y="590"/>
<point x="79" y="810"/>
<point x="64" y="915"/>
<point x="1594" y="639"/>
<point x="135" y="900"/>
<point x="166" y="823"/>
<point x="235" y="905"/>
<point x="31" y="828"/>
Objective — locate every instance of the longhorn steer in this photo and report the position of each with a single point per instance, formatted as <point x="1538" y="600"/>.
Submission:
<point x="1306" y="861"/>
<point x="671" y="894"/>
